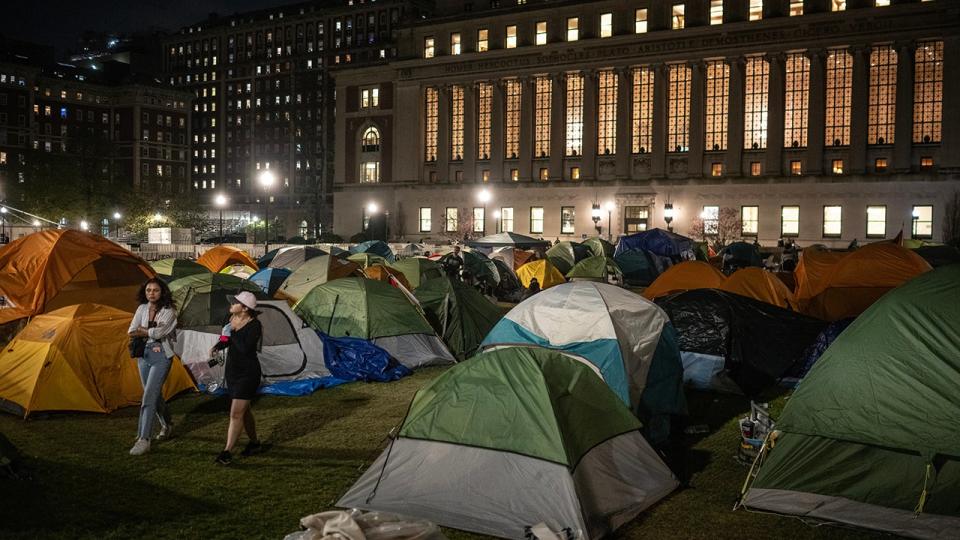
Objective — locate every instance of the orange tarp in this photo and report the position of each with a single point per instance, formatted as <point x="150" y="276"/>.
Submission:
<point x="761" y="285"/>
<point x="220" y="257"/>
<point x="684" y="277"/>
<point x="380" y="272"/>
<point x="813" y="271"/>
<point x="76" y="359"/>
<point x="861" y="278"/>
<point x="55" y="268"/>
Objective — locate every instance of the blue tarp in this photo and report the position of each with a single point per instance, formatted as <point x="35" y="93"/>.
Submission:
<point x="375" y="247"/>
<point x="658" y="242"/>
<point x="355" y="359"/>
<point x="814" y="352"/>
<point x="270" y="279"/>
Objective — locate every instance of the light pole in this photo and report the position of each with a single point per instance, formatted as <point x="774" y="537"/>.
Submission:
<point x="220" y="200"/>
<point x="496" y="215"/>
<point x="609" y="207"/>
<point x="3" y="224"/>
<point x="255" y="220"/>
<point x="267" y="178"/>
<point x="484" y="197"/>
<point x="371" y="210"/>
<point x="668" y="215"/>
<point x="116" y="222"/>
<point x="595" y="216"/>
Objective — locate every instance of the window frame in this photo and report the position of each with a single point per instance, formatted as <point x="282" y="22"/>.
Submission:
<point x="867" y="232"/>
<point x="539" y="220"/>
<point x="824" y="222"/>
<point x="428" y="219"/>
<point x="568" y="226"/>
<point x="755" y="221"/>
<point x="783" y="232"/>
<point x="915" y="220"/>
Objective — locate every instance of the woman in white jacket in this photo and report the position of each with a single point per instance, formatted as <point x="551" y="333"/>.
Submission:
<point x="155" y="320"/>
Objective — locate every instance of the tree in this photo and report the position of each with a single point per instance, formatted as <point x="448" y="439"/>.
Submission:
<point x="951" y="222"/>
<point x="727" y="228"/>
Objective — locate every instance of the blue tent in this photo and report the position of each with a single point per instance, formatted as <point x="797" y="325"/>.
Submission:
<point x="658" y="242"/>
<point x="270" y="279"/>
<point x="375" y="247"/>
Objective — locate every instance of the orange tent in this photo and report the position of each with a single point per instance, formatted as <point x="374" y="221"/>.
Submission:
<point x="813" y="271"/>
<point x="380" y="272"/>
<point x="862" y="277"/>
<point x="56" y="268"/>
<point x="684" y="277"/>
<point x="761" y="285"/>
<point x="220" y="257"/>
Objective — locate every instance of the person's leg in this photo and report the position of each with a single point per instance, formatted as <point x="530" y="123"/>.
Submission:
<point x="149" y="372"/>
<point x="238" y="408"/>
<point x="163" y="412"/>
<point x="143" y="366"/>
<point x="250" y="425"/>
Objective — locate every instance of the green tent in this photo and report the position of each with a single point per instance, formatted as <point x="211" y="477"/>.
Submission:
<point x="172" y="269"/>
<point x="637" y="266"/>
<point x="514" y="437"/>
<point x="596" y="268"/>
<point x="202" y="299"/>
<point x="373" y="310"/>
<point x="316" y="271"/>
<point x="566" y="254"/>
<point x="461" y="315"/>
<point x="599" y="247"/>
<point x="417" y="270"/>
<point x="870" y="437"/>
<point x="366" y="259"/>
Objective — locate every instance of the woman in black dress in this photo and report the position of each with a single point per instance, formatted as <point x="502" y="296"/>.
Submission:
<point x="242" y="373"/>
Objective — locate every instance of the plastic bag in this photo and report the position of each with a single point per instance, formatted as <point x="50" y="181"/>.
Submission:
<point x="374" y="526"/>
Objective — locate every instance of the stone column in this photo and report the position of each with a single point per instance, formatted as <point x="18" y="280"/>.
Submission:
<point x="527" y="93"/>
<point x="443" y="135"/>
<point x="588" y="164"/>
<point x="776" y="101"/>
<point x="697" y="112"/>
<point x="469" y="132"/>
<point x="734" y="160"/>
<point x="950" y="145"/>
<point x="558" y="127"/>
<point x="903" y="130"/>
<point x="624" y="122"/>
<point x="860" y="109"/>
<point x="497" y="132"/>
<point x="816" y="119"/>
<point x="658" y="158"/>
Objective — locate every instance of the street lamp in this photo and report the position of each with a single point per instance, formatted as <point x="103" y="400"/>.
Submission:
<point x="84" y="226"/>
<point x="3" y="224"/>
<point x="158" y="217"/>
<point x="116" y="222"/>
<point x="484" y="197"/>
<point x="267" y="179"/>
<point x="668" y="215"/>
<point x="496" y="215"/>
<point x="220" y="200"/>
<point x="595" y="216"/>
<point x="610" y="206"/>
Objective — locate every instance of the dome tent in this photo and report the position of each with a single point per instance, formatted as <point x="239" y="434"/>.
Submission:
<point x="316" y="271"/>
<point x="202" y="299"/>
<point x="761" y="285"/>
<point x="293" y="257"/>
<point x="684" y="277"/>
<point x="417" y="270"/>
<point x="374" y="247"/>
<point x="547" y="275"/>
<point x="173" y="269"/>
<point x="566" y="255"/>
<point x="596" y="268"/>
<point x="220" y="257"/>
<point x="508" y="239"/>
<point x="460" y="315"/>
<point x="270" y="279"/>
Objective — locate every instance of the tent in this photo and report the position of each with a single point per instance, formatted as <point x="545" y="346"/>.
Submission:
<point x="265" y="260"/>
<point x="862" y="277"/>
<point x="55" y="268"/>
<point x="637" y="266"/>
<point x="366" y="260"/>
<point x="508" y="239"/>
<point x="627" y="339"/>
<point x="596" y="268"/>
<point x="870" y="436"/>
<point x="372" y="310"/>
<point x="270" y="279"/>
<point x="293" y="257"/>
<point x="659" y="242"/>
<point x="76" y="359"/>
<point x="740" y="255"/>
<point x="512" y="438"/>
<point x="684" y="277"/>
<point x="410" y="250"/>
<point x="475" y="263"/>
<point x="761" y="285"/>
<point x="386" y="274"/>
<point x="171" y="269"/>
<point x="375" y="247"/>
<point x="220" y="257"/>
<point x="509" y="288"/>
<point x="417" y="270"/>
<point x="566" y="254"/>
<point x="547" y="275"/>
<point x="736" y="344"/>
<point x="513" y="257"/>
<point x="289" y="351"/>
<point x="202" y="301"/>
<point x="939" y="255"/>
<point x="316" y="271"/>
<point x="599" y="247"/>
<point x="813" y="270"/>
<point x="460" y="315"/>
<point x="241" y="271"/>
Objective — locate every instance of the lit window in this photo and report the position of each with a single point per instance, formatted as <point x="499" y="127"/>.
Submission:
<point x="832" y="221"/>
<point x="511" y="40"/>
<point x="484" y="105"/>
<point x="678" y="18"/>
<point x="456" y="123"/>
<point x="573" y="29"/>
<point x="515" y="175"/>
<point x="795" y="168"/>
<point x="716" y="12"/>
<point x="479" y="220"/>
<point x="483" y="41"/>
<point x="542" y="106"/>
<point x="881" y="3"/>
<point x="796" y="8"/>
<point x="514" y="89"/>
<point x="642" y="110"/>
<point x="716" y="169"/>
<point x="749" y="220"/>
<point x="574" y="140"/>
<point x="836" y="166"/>
<point x="928" y="92"/>
<point x="755" y="168"/>
<point x="567" y="220"/>
<point x="3" y="158"/>
<point x="883" y="95"/>
<point x="789" y="221"/>
<point x="541" y="33"/>
<point x="640" y="21"/>
<point x="756" y="10"/>
<point x="607" y="113"/>
<point x="455" y="43"/>
<point x="431" y="106"/>
<point x="451" y="220"/>
<point x="370" y="172"/>
<point x="839" y="97"/>
<point x="926" y="163"/>
<point x="755" y="103"/>
<point x="718" y="98"/>
<point x="506" y="219"/>
<point x="711" y="219"/>
<point x="371" y="140"/>
<point x="880" y="165"/>
<point x="678" y="112"/>
<point x="876" y="222"/>
<point x="485" y="175"/>
<point x="544" y="174"/>
<point x="838" y="5"/>
<point x="797" y="98"/>
<point x="428" y="47"/>
<point x="574" y="173"/>
<point x="922" y="222"/>
<point x="536" y="220"/>
<point x="606" y="25"/>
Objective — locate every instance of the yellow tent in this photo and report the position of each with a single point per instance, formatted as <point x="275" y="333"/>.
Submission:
<point x="761" y="285"/>
<point x="220" y="257"/>
<point x="545" y="272"/>
<point x="76" y="359"/>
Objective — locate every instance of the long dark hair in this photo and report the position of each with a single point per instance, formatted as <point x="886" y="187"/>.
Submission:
<point x="166" y="297"/>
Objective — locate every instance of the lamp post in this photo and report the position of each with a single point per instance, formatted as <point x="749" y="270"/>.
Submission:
<point x="668" y="215"/>
<point x="484" y="197"/>
<point x="609" y="207"/>
<point x="595" y="216"/>
<point x="255" y="220"/>
<point x="267" y="178"/>
<point x="220" y="200"/>
<point x="116" y="222"/>
<point x="496" y="215"/>
<point x="3" y="224"/>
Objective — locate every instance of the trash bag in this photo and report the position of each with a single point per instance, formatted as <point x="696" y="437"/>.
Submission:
<point x="355" y="359"/>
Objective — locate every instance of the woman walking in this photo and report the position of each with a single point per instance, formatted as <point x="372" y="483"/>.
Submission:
<point x="242" y="373"/>
<point x="155" y="322"/>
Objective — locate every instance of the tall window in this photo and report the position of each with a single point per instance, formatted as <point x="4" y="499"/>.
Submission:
<point x="451" y="220"/>
<point x="483" y="40"/>
<point x="425" y="222"/>
<point x="797" y="101"/>
<point x="838" y="5"/>
<point x="511" y="37"/>
<point x="536" y="220"/>
<point x="876" y="221"/>
<point x="789" y="221"/>
<point x="635" y="219"/>
<point x="370" y="172"/>
<point x="640" y="21"/>
<point x="429" y="48"/>
<point x="606" y="25"/>
<point x="922" y="222"/>
<point x="431" y="112"/>
<point x="755" y="103"/>
<point x="749" y="220"/>
<point x="567" y="220"/>
<point x="371" y="140"/>
<point x="678" y="112"/>
<point x="484" y="105"/>
<point x="541" y="33"/>
<point x="928" y="92"/>
<point x="455" y="43"/>
<point x="574" y="114"/>
<point x="718" y="101"/>
<point x="479" y="220"/>
<point x="839" y="90"/>
<point x="544" y="96"/>
<point x="796" y="8"/>
<point x="832" y="221"/>
<point x="883" y="95"/>
<point x="642" y="110"/>
<point x="573" y="28"/>
<point x="716" y="12"/>
<point x="512" y="125"/>
<point x="456" y="123"/>
<point x="756" y="10"/>
<point x="506" y="219"/>
<point x="607" y="113"/>
<point x="678" y="17"/>
<point x="711" y="219"/>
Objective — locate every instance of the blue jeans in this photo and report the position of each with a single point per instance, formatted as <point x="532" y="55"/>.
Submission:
<point x="154" y="367"/>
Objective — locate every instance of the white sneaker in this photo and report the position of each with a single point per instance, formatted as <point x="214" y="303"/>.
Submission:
<point x="141" y="447"/>
<point x="165" y="431"/>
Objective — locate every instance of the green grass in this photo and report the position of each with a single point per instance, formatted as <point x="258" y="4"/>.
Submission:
<point x="85" y="485"/>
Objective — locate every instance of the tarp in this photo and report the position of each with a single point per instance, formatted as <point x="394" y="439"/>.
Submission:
<point x="355" y="359"/>
<point x="386" y="274"/>
<point x="270" y="279"/>
<point x="761" y="285"/>
<point x="869" y="438"/>
<point x="417" y="270"/>
<point x="76" y="359"/>
<point x="658" y="242"/>
<point x="815" y="351"/>
<point x="220" y="257"/>
<point x="547" y="275"/>
<point x="599" y="247"/>
<point x="637" y="266"/>
<point x="55" y="268"/>
<point x="566" y="254"/>
<point x="316" y="271"/>
<point x="596" y="268"/>
<point x="171" y="269"/>
<point x="293" y="257"/>
<point x="508" y="239"/>
<point x="685" y="276"/>
<point x="375" y="247"/>
<point x="460" y="315"/>
<point x="202" y="299"/>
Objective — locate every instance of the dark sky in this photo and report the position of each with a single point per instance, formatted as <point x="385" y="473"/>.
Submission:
<point x="60" y="22"/>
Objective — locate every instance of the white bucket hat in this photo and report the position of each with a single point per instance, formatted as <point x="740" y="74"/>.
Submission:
<point x="246" y="299"/>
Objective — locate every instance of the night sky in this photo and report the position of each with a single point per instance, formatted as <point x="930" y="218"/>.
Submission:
<point x="60" y="22"/>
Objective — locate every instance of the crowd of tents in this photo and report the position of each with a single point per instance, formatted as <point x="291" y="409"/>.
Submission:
<point x="557" y="411"/>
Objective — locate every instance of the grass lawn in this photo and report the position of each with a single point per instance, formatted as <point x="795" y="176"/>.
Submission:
<point x="86" y="486"/>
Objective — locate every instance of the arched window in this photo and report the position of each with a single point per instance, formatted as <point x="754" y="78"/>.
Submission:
<point x="304" y="229"/>
<point x="371" y="140"/>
